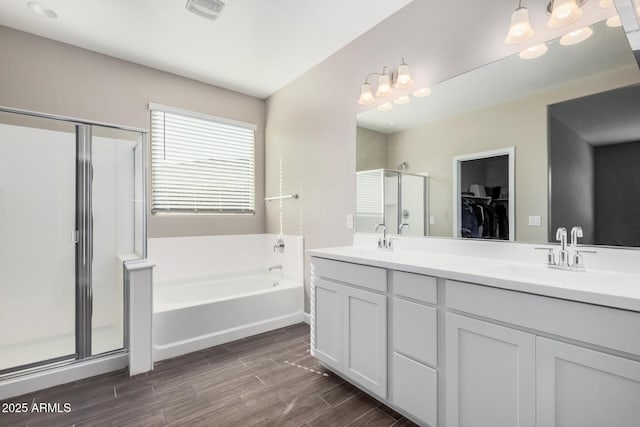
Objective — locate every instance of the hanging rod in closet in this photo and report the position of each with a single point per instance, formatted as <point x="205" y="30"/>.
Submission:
<point x="288" y="196"/>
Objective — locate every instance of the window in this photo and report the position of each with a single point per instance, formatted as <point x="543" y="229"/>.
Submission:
<point x="201" y="164"/>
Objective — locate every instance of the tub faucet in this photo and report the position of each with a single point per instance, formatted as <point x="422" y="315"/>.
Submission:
<point x="276" y="267"/>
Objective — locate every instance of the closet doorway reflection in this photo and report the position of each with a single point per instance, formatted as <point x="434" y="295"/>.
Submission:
<point x="71" y="211"/>
<point x="483" y="198"/>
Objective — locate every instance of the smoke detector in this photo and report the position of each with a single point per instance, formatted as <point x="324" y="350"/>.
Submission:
<point x="209" y="9"/>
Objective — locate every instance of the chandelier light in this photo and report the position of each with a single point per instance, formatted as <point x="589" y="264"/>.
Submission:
<point x="390" y="83"/>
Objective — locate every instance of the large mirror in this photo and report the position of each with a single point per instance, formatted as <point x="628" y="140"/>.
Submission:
<point x="572" y="120"/>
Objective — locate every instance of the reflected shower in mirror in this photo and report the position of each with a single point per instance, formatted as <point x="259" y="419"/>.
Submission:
<point x="509" y="103"/>
<point x="396" y="199"/>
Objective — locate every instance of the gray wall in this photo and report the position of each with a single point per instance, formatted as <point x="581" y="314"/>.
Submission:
<point x="371" y="147"/>
<point x="42" y="75"/>
<point x="617" y="207"/>
<point x="572" y="181"/>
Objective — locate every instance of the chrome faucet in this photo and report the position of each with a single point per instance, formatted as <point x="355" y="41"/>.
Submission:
<point x="276" y="267"/>
<point x="384" y="242"/>
<point x="565" y="262"/>
<point x="402" y="227"/>
<point x="563" y="254"/>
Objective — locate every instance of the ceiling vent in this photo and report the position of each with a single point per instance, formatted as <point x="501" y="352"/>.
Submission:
<point x="209" y="9"/>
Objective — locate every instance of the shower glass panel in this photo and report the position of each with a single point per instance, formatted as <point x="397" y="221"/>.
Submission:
<point x="37" y="241"/>
<point x="413" y="204"/>
<point x="114" y="239"/>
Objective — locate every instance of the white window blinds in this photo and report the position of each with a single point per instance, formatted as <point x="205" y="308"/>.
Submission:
<point x="200" y="164"/>
<point x="369" y="193"/>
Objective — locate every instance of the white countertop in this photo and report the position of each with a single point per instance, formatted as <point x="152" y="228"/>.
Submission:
<point x="607" y="288"/>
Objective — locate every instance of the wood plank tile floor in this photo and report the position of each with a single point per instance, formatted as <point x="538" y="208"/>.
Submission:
<point x="265" y="380"/>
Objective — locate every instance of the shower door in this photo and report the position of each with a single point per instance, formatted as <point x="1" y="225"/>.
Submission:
<point x="71" y="203"/>
<point x="37" y="241"/>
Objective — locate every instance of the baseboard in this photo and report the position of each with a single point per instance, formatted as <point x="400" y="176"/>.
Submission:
<point x="307" y="318"/>
<point x="65" y="374"/>
<point x="199" y="343"/>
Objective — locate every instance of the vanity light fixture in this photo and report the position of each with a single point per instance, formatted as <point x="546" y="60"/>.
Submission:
<point x="534" y="51"/>
<point x="385" y="107"/>
<point x="520" y="29"/>
<point x="384" y="86"/>
<point x="564" y="12"/>
<point x="42" y="10"/>
<point x="388" y="81"/>
<point x="575" y="37"/>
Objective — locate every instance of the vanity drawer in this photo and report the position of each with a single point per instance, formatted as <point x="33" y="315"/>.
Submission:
<point x="365" y="276"/>
<point x="415" y="331"/>
<point x="603" y="326"/>
<point x="415" y="286"/>
<point x="414" y="388"/>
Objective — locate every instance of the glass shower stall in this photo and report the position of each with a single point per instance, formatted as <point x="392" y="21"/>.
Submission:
<point x="399" y="200"/>
<point x="72" y="209"/>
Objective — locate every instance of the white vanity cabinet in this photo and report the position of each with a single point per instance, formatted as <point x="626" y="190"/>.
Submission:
<point x="453" y="353"/>
<point x="490" y="374"/>
<point x="349" y="321"/>
<point x="501" y="375"/>
<point x="582" y="387"/>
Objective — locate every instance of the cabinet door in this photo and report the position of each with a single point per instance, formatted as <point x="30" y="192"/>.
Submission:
<point x="326" y="322"/>
<point x="365" y="339"/>
<point x="586" y="388"/>
<point x="490" y="374"/>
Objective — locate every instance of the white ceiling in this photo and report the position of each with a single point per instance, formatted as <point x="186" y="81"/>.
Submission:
<point x="254" y="47"/>
<point x="508" y="79"/>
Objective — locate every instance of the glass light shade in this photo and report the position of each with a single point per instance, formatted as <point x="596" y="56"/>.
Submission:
<point x="534" y="51"/>
<point x="404" y="99"/>
<point x="520" y="29"/>
<point x="564" y="13"/>
<point x="614" y="21"/>
<point x="577" y="36"/>
<point x="366" y="95"/>
<point x="404" y="77"/>
<point x="605" y="4"/>
<point x="425" y="91"/>
<point x="384" y="86"/>
<point x="385" y="107"/>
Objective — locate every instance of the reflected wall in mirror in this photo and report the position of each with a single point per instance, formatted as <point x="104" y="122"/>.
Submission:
<point x="594" y="158"/>
<point x="503" y="104"/>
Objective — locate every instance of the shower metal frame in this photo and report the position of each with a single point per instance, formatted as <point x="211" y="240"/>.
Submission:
<point x="84" y="245"/>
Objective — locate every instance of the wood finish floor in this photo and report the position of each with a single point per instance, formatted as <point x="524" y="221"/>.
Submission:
<point x="267" y="380"/>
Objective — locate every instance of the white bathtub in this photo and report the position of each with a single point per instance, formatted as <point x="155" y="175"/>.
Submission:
<point x="192" y="313"/>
